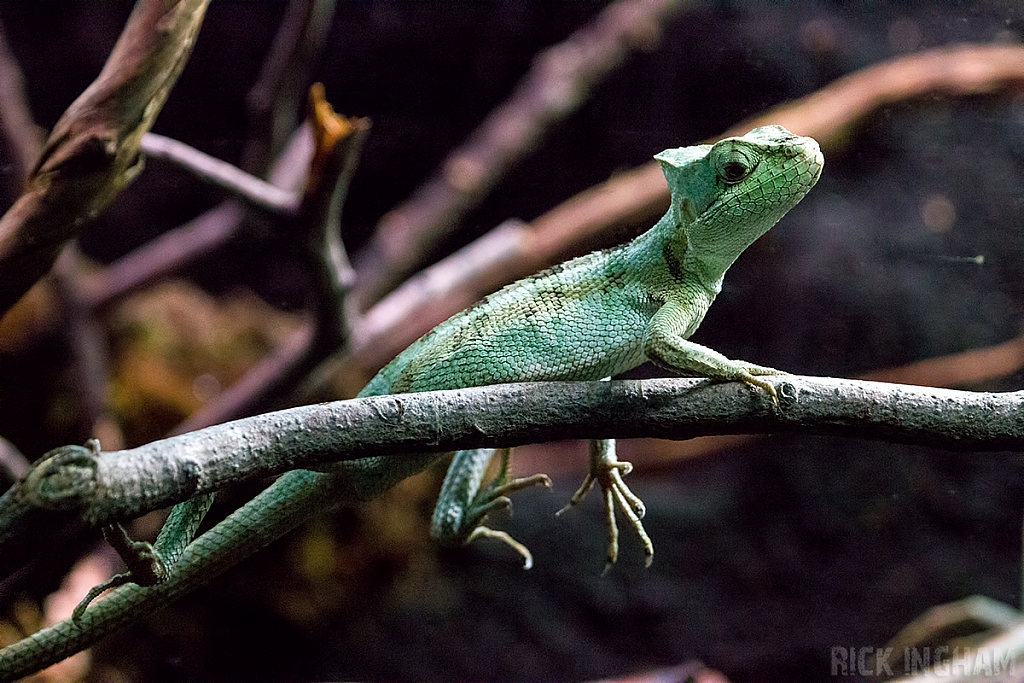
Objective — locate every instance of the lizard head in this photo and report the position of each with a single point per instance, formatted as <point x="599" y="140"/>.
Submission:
<point x="726" y="195"/>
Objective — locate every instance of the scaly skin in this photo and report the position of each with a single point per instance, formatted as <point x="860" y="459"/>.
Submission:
<point x="589" y="318"/>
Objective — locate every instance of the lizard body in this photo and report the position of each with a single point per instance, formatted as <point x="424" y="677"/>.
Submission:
<point x="589" y="318"/>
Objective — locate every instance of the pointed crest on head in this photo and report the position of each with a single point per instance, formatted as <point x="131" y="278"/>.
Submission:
<point x="688" y="180"/>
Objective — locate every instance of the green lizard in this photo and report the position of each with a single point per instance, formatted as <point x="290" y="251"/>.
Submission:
<point x="586" y="319"/>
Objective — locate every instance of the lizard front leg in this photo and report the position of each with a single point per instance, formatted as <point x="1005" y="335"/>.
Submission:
<point x="665" y="345"/>
<point x="462" y="505"/>
<point x="606" y="470"/>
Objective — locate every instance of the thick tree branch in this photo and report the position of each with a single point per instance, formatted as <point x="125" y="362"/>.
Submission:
<point x="123" y="484"/>
<point x="93" y="151"/>
<point x="77" y="481"/>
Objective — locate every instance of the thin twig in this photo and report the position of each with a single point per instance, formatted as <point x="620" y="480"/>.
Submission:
<point x="272" y="102"/>
<point x="164" y="255"/>
<point x="250" y="189"/>
<point x="560" y="80"/>
<point x="177" y="248"/>
<point x="315" y="237"/>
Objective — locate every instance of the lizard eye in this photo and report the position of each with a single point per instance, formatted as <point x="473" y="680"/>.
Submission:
<point x="734" y="163"/>
<point x="734" y="171"/>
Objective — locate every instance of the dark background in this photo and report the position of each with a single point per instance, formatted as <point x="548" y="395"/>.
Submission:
<point x="768" y="556"/>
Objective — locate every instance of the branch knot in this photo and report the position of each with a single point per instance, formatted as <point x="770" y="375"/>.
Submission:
<point x="64" y="479"/>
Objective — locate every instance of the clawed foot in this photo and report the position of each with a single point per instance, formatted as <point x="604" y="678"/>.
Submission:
<point x="456" y="521"/>
<point x="764" y="385"/>
<point x="607" y="470"/>
<point x="495" y="496"/>
<point x="145" y="567"/>
<point x="751" y="374"/>
<point x="503" y="536"/>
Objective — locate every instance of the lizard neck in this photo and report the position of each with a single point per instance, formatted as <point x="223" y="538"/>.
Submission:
<point x="681" y="263"/>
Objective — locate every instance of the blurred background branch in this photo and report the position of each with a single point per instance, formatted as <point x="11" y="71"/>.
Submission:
<point x="560" y="80"/>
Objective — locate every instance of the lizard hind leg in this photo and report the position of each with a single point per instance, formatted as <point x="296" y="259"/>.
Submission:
<point x="462" y="504"/>
<point x="149" y="565"/>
